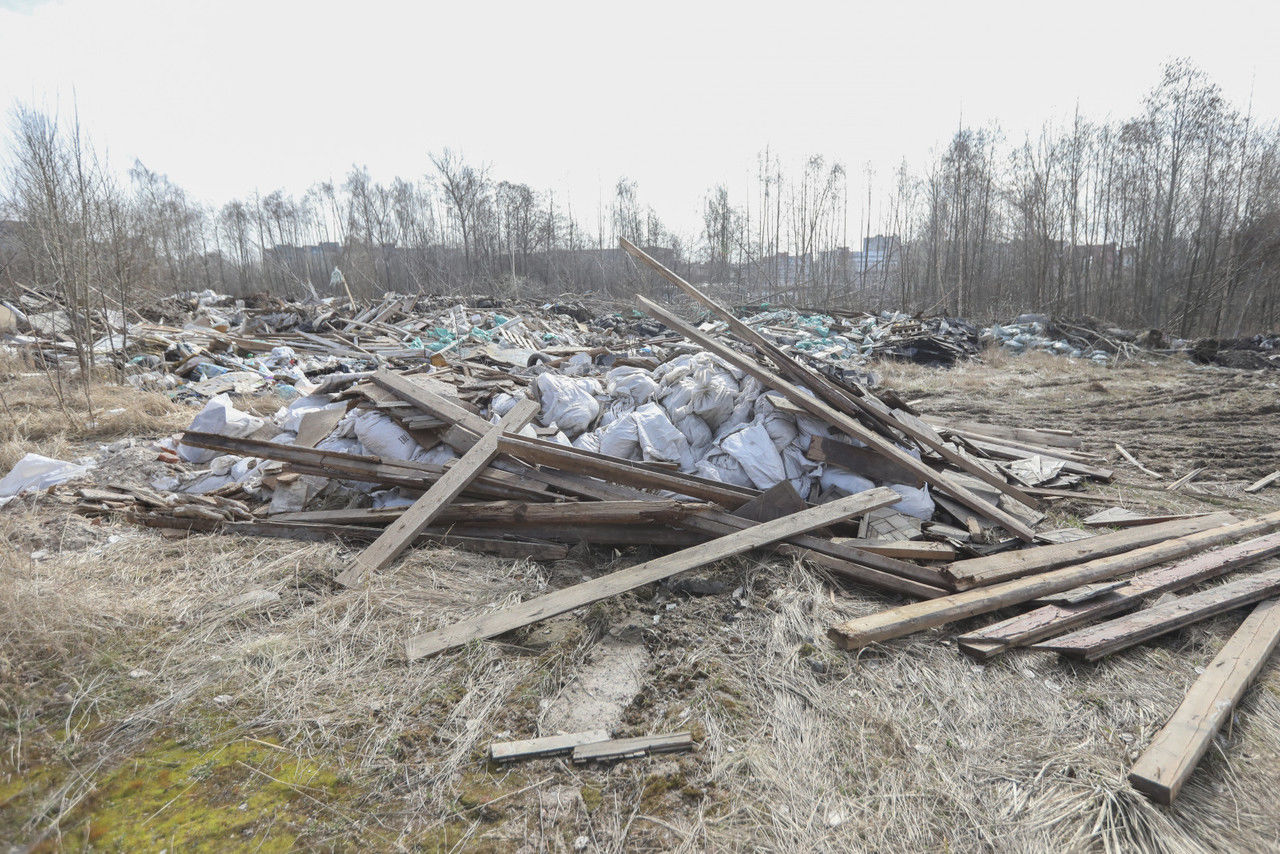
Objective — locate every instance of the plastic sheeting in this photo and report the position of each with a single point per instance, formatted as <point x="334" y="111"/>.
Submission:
<point x="35" y="472"/>
<point x="221" y="417"/>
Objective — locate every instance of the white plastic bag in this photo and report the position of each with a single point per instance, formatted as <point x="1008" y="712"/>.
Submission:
<point x="383" y="437"/>
<point x="845" y="481"/>
<point x="569" y="403"/>
<point x="36" y="472"/>
<point x="633" y="383"/>
<point x="659" y="439"/>
<point x="915" y="502"/>
<point x="221" y="417"/>
<point x="754" y="451"/>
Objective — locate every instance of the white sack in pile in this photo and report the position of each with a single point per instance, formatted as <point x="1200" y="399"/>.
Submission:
<point x="221" y="417"/>
<point x="35" y="472"/>
<point x="720" y="465"/>
<point x="845" y="481"/>
<point x="633" y="383"/>
<point x="915" y="502"/>
<point x="754" y="451"/>
<point x="659" y="439"/>
<point x="383" y="437"/>
<point x="293" y="413"/>
<point x="645" y="434"/>
<point x="568" y="402"/>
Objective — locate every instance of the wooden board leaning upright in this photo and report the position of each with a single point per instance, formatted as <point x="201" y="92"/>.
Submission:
<point x="400" y="533"/>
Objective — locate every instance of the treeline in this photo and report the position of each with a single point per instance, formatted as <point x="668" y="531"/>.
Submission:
<point x="1168" y="219"/>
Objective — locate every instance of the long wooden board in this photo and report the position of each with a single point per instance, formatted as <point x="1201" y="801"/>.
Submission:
<point x="548" y="745"/>
<point x="850" y="562"/>
<point x="368" y="469"/>
<point x="917" y="616"/>
<point x="635" y="512"/>
<point x="1061" y="439"/>
<point x="402" y="532"/>
<point x="551" y="604"/>
<point x="628" y="748"/>
<point x="1103" y="639"/>
<point x="1173" y="754"/>
<point x="1058" y="617"/>
<point x="622" y="471"/>
<point x="980" y="571"/>
<point x="842" y="422"/>
<point x="861" y="461"/>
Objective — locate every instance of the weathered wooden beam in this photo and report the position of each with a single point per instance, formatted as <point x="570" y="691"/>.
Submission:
<point x="401" y="533"/>
<point x="560" y="601"/>
<point x="1103" y="639"/>
<point x="917" y="616"/>
<point x="1058" y="617"/>
<point x="980" y="571"/>
<point x="628" y="748"/>
<point x="1173" y="754"/>
<point x="549" y="745"/>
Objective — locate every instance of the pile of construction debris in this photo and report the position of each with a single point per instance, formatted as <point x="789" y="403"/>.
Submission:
<point x="523" y="437"/>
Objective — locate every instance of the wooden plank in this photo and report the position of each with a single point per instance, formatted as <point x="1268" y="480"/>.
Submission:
<point x="843" y="422"/>
<point x="549" y="745"/>
<point x="834" y="399"/>
<point x="624" y="472"/>
<point x="1058" y="617"/>
<point x="875" y="570"/>
<point x="560" y="601"/>
<point x="488" y="542"/>
<point x="905" y="549"/>
<point x="1118" y="517"/>
<point x="369" y="469"/>
<point x="1062" y="439"/>
<point x="1263" y="482"/>
<point x="860" y="461"/>
<point x="1185" y="479"/>
<point x="517" y="513"/>
<point x="1177" y="748"/>
<point x="979" y="571"/>
<point x="1103" y="639"/>
<point x="627" y="748"/>
<point x="400" y="533"/>
<point x="917" y="616"/>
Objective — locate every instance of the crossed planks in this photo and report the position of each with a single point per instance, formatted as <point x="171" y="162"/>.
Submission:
<point x="917" y="616"/>
<point x="1173" y="754"/>
<point x="404" y="530"/>
<point x="1055" y="619"/>
<point x="843" y="422"/>
<point x="569" y="598"/>
<point x="834" y="407"/>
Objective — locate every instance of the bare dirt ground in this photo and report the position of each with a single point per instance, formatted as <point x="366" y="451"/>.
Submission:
<point x="213" y="693"/>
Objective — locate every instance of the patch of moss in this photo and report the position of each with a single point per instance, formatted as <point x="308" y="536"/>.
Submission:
<point x="479" y="795"/>
<point x="592" y="797"/>
<point x="204" y="797"/>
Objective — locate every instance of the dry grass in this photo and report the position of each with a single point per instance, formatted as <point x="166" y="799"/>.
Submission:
<point x="41" y="413"/>
<point x="904" y="747"/>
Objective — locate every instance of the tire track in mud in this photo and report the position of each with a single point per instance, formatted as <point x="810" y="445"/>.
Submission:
<point x="1181" y="418"/>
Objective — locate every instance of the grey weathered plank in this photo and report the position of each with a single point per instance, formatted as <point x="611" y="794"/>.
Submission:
<point x="560" y="601"/>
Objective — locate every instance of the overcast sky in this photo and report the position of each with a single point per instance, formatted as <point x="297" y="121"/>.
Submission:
<point x="230" y="97"/>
